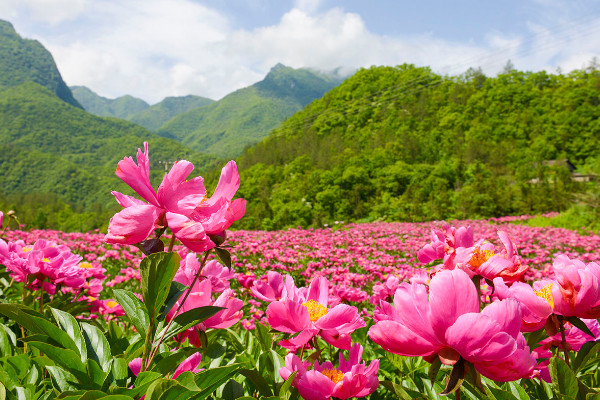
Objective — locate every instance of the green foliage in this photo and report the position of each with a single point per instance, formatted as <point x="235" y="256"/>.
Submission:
<point x="58" y="162"/>
<point x="159" y="114"/>
<point x="406" y="144"/>
<point x="245" y="116"/>
<point x="122" y="107"/>
<point x="24" y="60"/>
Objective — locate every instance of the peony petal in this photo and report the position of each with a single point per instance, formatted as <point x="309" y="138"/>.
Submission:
<point x="398" y="339"/>
<point x="189" y="232"/>
<point x="288" y="316"/>
<point x="138" y="176"/>
<point x="133" y="224"/>
<point x="179" y="196"/>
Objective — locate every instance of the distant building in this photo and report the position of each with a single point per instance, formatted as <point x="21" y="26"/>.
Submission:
<point x="575" y="176"/>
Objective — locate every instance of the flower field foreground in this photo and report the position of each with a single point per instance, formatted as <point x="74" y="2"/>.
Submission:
<point x="170" y="305"/>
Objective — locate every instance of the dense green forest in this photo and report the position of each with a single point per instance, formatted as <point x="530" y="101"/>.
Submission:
<point x="406" y="144"/>
<point x="245" y="116"/>
<point x="160" y="113"/>
<point x="25" y="60"/>
<point x="123" y="107"/>
<point x="58" y="160"/>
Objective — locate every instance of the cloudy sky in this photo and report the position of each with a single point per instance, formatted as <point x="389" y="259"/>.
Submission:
<point x="157" y="48"/>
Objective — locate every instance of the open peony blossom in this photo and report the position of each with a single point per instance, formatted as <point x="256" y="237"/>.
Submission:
<point x="351" y="379"/>
<point x="576" y="288"/>
<point x="308" y="315"/>
<point x="189" y="364"/>
<point x="179" y="204"/>
<point x="447" y="324"/>
<point x="444" y="244"/>
<point x="276" y="287"/>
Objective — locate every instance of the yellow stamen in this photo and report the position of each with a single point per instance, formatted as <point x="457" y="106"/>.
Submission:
<point x="86" y="265"/>
<point x="315" y="309"/>
<point x="27" y="249"/>
<point x="111" y="304"/>
<point x="545" y="292"/>
<point x="333" y="374"/>
<point x="45" y="259"/>
<point x="479" y="257"/>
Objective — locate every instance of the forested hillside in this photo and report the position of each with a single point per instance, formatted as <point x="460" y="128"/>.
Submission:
<point x="406" y="144"/>
<point x="25" y="60"/>
<point x="160" y="113"/>
<point x="245" y="116"/>
<point x="57" y="158"/>
<point x="123" y="107"/>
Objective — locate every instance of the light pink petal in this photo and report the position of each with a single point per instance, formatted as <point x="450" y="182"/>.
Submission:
<point x="177" y="195"/>
<point x="127" y="201"/>
<point x="319" y="291"/>
<point x="342" y="317"/>
<point x="451" y="294"/>
<point x="412" y="309"/>
<point x="463" y="237"/>
<point x="288" y="316"/>
<point x="507" y="313"/>
<point x="229" y="183"/>
<point x="133" y="224"/>
<point x="519" y="364"/>
<point x="508" y="245"/>
<point x="398" y="339"/>
<point x="313" y="385"/>
<point x="189" y="232"/>
<point x="189" y="364"/>
<point x="138" y="176"/>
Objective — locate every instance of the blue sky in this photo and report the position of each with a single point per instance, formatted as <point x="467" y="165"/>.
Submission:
<point x="157" y="48"/>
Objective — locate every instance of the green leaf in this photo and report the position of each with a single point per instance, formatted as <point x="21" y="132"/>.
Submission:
<point x="134" y="308"/>
<point x="257" y="379"/>
<point x="157" y="272"/>
<point x="167" y="389"/>
<point x="189" y="319"/>
<point x="499" y="394"/>
<point x="69" y="324"/>
<point x="175" y="292"/>
<point x="457" y="375"/>
<point x="6" y="344"/>
<point x="120" y="370"/>
<point x="96" y="374"/>
<point x="434" y="368"/>
<point x="564" y="381"/>
<point x="518" y="391"/>
<point x="224" y="256"/>
<point x="211" y="379"/>
<point x="67" y="359"/>
<point x="401" y="392"/>
<point x="97" y="346"/>
<point x="62" y="378"/>
<point x="534" y="337"/>
<point x="38" y="324"/>
<point x="264" y="337"/>
<point x="171" y="361"/>
<point x="587" y="352"/>
<point x="285" y="387"/>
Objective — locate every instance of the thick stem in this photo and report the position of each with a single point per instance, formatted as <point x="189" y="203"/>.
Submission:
<point x="148" y="346"/>
<point x="171" y="244"/>
<point x="563" y="338"/>
<point x="187" y="293"/>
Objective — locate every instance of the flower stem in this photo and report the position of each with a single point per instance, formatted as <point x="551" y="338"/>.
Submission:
<point x="187" y="293"/>
<point x="171" y="244"/>
<point x="563" y="338"/>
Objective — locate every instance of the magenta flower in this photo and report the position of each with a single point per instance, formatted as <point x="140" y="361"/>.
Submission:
<point x="444" y="244"/>
<point x="189" y="364"/>
<point x="534" y="302"/>
<point x="448" y="324"/>
<point x="351" y="379"/>
<point x="274" y="288"/>
<point x="218" y="275"/>
<point x="309" y="316"/>
<point x="576" y="288"/>
<point x="179" y="204"/>
<point x="200" y="296"/>
<point x="505" y="264"/>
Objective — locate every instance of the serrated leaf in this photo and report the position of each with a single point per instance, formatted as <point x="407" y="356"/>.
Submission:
<point x="134" y="308"/>
<point x="564" y="381"/>
<point x="157" y="272"/>
<point x="97" y="346"/>
<point x="69" y="324"/>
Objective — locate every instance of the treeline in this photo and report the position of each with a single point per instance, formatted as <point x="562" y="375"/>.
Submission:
<point x="406" y="144"/>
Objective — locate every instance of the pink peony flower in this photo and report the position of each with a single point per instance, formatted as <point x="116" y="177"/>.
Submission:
<point x="576" y="288"/>
<point x="189" y="364"/>
<point x="275" y="288"/>
<point x="351" y="379"/>
<point x="309" y="316"/>
<point x="448" y="324"/>
<point x="444" y="244"/>
<point x="179" y="204"/>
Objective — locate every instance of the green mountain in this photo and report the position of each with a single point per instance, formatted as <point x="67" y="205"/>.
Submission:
<point x="123" y="107"/>
<point x="24" y="60"/>
<point x="51" y="148"/>
<point x="406" y="144"/>
<point x="245" y="116"/>
<point x="157" y="115"/>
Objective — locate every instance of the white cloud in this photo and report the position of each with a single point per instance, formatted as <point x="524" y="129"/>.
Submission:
<point x="155" y="48"/>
